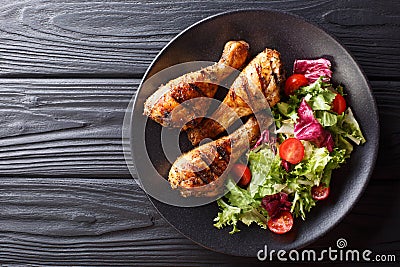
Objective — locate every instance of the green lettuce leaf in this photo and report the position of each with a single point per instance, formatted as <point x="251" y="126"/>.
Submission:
<point x="337" y="158"/>
<point x="228" y="215"/>
<point x="302" y="202"/>
<point x="260" y="164"/>
<point x="313" y="167"/>
<point x="326" y="118"/>
<point x="322" y="101"/>
<point x="274" y="181"/>
<point x="242" y="207"/>
<point x="240" y="197"/>
<point x="288" y="110"/>
<point x="350" y="125"/>
<point x="254" y="216"/>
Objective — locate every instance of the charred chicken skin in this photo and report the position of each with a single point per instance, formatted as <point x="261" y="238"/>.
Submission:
<point x="202" y="83"/>
<point x="207" y="164"/>
<point x="261" y="78"/>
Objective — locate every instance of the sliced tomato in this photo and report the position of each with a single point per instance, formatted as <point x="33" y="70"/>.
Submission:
<point x="291" y="150"/>
<point x="294" y="82"/>
<point x="339" y="104"/>
<point x="242" y="172"/>
<point x="281" y="224"/>
<point x="320" y="192"/>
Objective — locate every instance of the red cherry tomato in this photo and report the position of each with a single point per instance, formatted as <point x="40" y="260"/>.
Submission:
<point x="241" y="171"/>
<point x="339" y="104"/>
<point x="291" y="150"/>
<point x="282" y="223"/>
<point x="320" y="192"/>
<point x="294" y="82"/>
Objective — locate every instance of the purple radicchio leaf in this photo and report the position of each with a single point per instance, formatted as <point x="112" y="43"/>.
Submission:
<point x="308" y="128"/>
<point x="275" y="204"/>
<point x="266" y="138"/>
<point x="286" y="165"/>
<point x="312" y="69"/>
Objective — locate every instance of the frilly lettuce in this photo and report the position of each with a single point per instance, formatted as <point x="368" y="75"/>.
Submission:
<point x="242" y="207"/>
<point x="352" y="129"/>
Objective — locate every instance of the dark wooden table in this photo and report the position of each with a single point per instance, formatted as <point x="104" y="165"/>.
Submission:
<point x="67" y="72"/>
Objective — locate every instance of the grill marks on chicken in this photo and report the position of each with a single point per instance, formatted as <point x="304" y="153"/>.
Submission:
<point x="261" y="79"/>
<point x="164" y="106"/>
<point x="187" y="91"/>
<point x="202" y="165"/>
<point x="208" y="163"/>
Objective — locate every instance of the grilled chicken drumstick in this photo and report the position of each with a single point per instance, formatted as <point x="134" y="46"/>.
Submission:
<point x="206" y="164"/>
<point x="202" y="83"/>
<point x="263" y="74"/>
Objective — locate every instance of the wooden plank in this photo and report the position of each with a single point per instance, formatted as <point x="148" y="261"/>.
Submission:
<point x="111" y="222"/>
<point x="58" y="127"/>
<point x="77" y="221"/>
<point x="388" y="102"/>
<point x="53" y="127"/>
<point x="120" y="39"/>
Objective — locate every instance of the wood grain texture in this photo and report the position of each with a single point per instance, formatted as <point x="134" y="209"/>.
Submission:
<point x="73" y="127"/>
<point x="77" y="221"/>
<point x="110" y="222"/>
<point x="56" y="127"/>
<point x="120" y="39"/>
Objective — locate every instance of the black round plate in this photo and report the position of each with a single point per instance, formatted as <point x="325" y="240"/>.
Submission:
<point x="294" y="38"/>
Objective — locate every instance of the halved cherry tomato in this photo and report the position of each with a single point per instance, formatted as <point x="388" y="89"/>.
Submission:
<point x="294" y="82"/>
<point x="241" y="171"/>
<point x="291" y="150"/>
<point x="282" y="223"/>
<point x="339" y="104"/>
<point x="320" y="192"/>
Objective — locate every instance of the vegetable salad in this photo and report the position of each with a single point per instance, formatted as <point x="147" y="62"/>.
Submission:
<point x="290" y="172"/>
